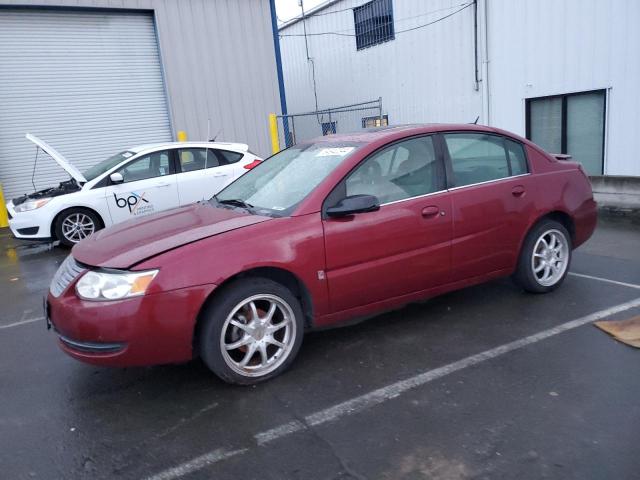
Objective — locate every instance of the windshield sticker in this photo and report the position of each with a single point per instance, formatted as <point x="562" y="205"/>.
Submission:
<point x="334" y="152"/>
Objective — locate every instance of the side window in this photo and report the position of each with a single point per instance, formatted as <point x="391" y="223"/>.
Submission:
<point x="153" y="165"/>
<point x="517" y="158"/>
<point x="213" y="158"/>
<point x="476" y="157"/>
<point x="216" y="158"/>
<point x="403" y="170"/>
<point x="192" y="159"/>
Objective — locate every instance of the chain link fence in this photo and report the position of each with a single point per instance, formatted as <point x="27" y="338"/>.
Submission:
<point x="294" y="128"/>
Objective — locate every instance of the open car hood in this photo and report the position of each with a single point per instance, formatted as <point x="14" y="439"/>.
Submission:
<point x="60" y="160"/>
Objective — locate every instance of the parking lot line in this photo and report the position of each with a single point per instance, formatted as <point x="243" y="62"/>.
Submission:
<point x="22" y="322"/>
<point x="381" y="395"/>
<point x="197" y="464"/>
<point x="606" y="280"/>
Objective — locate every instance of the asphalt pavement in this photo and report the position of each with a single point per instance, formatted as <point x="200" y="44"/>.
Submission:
<point x="487" y="382"/>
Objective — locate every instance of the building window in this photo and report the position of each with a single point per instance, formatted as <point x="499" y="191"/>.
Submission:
<point x="572" y="124"/>
<point x="374" y="23"/>
<point x="328" y="128"/>
<point x="376" y="121"/>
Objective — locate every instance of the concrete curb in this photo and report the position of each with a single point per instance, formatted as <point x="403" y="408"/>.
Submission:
<point x="616" y="194"/>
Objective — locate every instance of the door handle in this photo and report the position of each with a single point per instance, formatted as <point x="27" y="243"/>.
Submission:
<point x="164" y="184"/>
<point x="518" y="191"/>
<point x="220" y="174"/>
<point x="431" y="211"/>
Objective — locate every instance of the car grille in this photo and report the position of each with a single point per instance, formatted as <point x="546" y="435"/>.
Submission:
<point x="68" y="271"/>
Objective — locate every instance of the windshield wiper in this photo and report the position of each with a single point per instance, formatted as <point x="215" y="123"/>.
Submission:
<point x="236" y="202"/>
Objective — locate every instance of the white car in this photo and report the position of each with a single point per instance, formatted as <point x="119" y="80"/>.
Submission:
<point x="136" y="182"/>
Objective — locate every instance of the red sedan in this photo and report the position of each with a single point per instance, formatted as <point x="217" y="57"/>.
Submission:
<point x="331" y="230"/>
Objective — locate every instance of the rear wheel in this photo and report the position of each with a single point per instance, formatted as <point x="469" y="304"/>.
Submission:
<point x="252" y="331"/>
<point x="76" y="224"/>
<point x="545" y="257"/>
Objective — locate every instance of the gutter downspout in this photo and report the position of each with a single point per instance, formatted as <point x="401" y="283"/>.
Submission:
<point x="486" y="109"/>
<point x="476" y="72"/>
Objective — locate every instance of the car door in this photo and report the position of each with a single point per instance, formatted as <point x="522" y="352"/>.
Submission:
<point x="149" y="186"/>
<point x="203" y="172"/>
<point x="402" y="248"/>
<point x="493" y="200"/>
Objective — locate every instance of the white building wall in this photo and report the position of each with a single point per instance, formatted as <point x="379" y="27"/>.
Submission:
<point x="549" y="47"/>
<point x="426" y="75"/>
<point x="535" y="48"/>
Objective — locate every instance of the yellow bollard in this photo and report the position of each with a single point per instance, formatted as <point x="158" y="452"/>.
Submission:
<point x="273" y="132"/>
<point x="182" y="136"/>
<point x="4" y="217"/>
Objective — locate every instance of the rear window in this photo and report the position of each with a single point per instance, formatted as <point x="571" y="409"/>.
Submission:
<point x="226" y="157"/>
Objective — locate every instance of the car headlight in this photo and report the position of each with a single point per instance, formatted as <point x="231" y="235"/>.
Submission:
<point x="31" y="204"/>
<point x="114" y="286"/>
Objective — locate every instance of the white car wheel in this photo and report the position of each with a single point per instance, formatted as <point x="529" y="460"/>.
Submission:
<point x="75" y="225"/>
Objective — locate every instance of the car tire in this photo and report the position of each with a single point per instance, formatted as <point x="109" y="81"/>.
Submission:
<point x="75" y="224"/>
<point x="545" y="257"/>
<point x="264" y="340"/>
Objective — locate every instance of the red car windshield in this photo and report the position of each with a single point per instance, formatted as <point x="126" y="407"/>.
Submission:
<point x="279" y="183"/>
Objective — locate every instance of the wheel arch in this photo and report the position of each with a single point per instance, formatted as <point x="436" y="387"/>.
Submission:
<point x="558" y="215"/>
<point x="52" y="227"/>
<point x="277" y="274"/>
<point x="565" y="219"/>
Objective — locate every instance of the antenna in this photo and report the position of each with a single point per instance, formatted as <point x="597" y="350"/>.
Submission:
<point x="475" y="122"/>
<point x="216" y="135"/>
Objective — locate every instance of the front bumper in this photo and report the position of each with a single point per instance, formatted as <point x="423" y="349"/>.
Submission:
<point x="148" y="330"/>
<point x="35" y="224"/>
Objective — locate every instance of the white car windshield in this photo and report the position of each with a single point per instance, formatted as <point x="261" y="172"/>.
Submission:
<point x="107" y="164"/>
<point x="279" y="183"/>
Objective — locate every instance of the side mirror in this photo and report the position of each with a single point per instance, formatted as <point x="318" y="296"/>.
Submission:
<point x="354" y="204"/>
<point x="116" y="178"/>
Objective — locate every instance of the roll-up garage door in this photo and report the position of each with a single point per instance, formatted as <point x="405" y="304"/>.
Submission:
<point x="89" y="83"/>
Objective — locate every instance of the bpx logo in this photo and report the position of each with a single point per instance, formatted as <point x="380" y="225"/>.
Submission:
<point x="133" y="201"/>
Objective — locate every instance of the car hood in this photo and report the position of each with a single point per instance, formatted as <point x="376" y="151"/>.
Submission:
<point x="133" y="241"/>
<point x="60" y="160"/>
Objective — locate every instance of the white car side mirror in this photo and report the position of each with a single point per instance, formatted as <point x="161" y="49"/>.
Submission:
<point x="116" y="178"/>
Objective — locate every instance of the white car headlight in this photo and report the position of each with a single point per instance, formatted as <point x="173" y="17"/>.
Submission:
<point x="114" y="286"/>
<point x="31" y="204"/>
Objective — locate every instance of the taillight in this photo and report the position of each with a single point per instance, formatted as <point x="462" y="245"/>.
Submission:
<point x="255" y="163"/>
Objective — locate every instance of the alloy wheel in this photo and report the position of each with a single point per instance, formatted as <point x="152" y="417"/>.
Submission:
<point x="258" y="335"/>
<point x="550" y="257"/>
<point x="77" y="226"/>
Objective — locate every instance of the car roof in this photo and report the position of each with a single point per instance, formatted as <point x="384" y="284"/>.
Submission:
<point x="241" y="147"/>
<point x="373" y="134"/>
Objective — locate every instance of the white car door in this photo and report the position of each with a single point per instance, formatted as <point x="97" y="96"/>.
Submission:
<point x="203" y="173"/>
<point x="149" y="186"/>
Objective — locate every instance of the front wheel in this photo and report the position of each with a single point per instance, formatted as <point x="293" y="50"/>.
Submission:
<point x="76" y="224"/>
<point x="545" y="257"/>
<point x="252" y="331"/>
